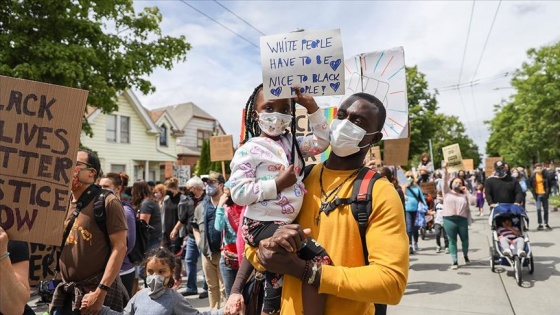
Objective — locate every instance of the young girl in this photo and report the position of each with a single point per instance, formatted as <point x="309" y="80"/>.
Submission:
<point x="266" y="176"/>
<point x="480" y="199"/>
<point x="158" y="298"/>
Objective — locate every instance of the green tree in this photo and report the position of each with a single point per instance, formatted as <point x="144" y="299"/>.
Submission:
<point x="102" y="46"/>
<point x="203" y="166"/>
<point x="526" y="128"/>
<point x="422" y="107"/>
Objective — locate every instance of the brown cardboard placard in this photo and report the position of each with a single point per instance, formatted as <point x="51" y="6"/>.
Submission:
<point x="221" y="148"/>
<point x="452" y="155"/>
<point x="40" y="128"/>
<point x="469" y="164"/>
<point x="489" y="165"/>
<point x="374" y="154"/>
<point x="39" y="268"/>
<point x="428" y="188"/>
<point x="396" y="151"/>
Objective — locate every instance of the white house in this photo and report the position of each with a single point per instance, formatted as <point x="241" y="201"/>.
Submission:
<point x="133" y="140"/>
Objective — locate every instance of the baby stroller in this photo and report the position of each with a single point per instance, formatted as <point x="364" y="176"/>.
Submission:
<point x="520" y="220"/>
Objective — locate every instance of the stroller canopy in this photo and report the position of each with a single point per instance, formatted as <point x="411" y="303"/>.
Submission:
<point x="508" y="210"/>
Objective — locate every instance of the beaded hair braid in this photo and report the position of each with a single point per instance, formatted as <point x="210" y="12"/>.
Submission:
<point x="252" y="127"/>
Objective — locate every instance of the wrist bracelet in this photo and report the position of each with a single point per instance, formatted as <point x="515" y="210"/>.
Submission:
<point x="6" y="255"/>
<point x="103" y="287"/>
<point x="314" y="270"/>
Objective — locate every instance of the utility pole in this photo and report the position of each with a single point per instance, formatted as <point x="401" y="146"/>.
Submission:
<point x="431" y="152"/>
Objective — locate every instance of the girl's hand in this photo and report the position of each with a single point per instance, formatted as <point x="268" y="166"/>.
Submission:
<point x="444" y="165"/>
<point x="235" y="304"/>
<point x="306" y="101"/>
<point x="222" y="200"/>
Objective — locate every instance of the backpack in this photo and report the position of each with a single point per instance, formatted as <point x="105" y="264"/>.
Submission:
<point x="361" y="204"/>
<point x="143" y="229"/>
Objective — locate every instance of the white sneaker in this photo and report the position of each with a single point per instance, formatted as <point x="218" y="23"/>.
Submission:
<point x="447" y="250"/>
<point x="506" y="252"/>
<point x="522" y="253"/>
<point x="438" y="249"/>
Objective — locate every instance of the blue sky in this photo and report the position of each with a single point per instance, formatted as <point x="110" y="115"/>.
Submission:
<point x="222" y="68"/>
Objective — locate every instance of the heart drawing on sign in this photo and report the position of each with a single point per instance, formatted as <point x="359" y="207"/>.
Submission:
<point x="335" y="64"/>
<point x="335" y="86"/>
<point x="276" y="92"/>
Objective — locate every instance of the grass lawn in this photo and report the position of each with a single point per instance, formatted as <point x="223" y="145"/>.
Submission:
<point x="554" y="201"/>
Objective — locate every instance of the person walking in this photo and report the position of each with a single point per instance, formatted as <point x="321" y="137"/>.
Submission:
<point x="540" y="187"/>
<point x="456" y="215"/>
<point x="414" y="199"/>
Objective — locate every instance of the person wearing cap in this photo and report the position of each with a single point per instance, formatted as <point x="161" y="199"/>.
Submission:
<point x="208" y="239"/>
<point x="540" y="187"/>
<point x="501" y="187"/>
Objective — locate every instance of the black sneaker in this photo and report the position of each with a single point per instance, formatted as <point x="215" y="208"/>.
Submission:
<point x="189" y="293"/>
<point x="540" y="227"/>
<point x="547" y="227"/>
<point x="467" y="259"/>
<point x="203" y="295"/>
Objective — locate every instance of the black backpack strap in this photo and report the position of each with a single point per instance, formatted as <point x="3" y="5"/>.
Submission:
<point x="362" y="203"/>
<point x="87" y="196"/>
<point x="101" y="215"/>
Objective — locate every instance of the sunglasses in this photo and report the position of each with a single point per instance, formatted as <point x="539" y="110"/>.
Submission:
<point x="78" y="163"/>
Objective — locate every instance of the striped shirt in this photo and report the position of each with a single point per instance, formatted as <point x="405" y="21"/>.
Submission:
<point x="507" y="233"/>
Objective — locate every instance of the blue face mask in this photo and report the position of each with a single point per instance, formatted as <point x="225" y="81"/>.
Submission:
<point x="211" y="190"/>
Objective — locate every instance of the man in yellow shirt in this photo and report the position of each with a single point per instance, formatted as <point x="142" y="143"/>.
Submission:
<point x="541" y="190"/>
<point x="351" y="286"/>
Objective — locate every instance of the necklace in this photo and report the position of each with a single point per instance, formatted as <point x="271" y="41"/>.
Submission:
<point x="327" y="197"/>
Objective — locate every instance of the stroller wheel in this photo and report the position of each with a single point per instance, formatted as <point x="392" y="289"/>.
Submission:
<point x="531" y="264"/>
<point x="492" y="262"/>
<point x="518" y="270"/>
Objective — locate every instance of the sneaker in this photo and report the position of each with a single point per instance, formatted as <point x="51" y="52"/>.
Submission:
<point x="189" y="293"/>
<point x="447" y="250"/>
<point x="540" y="227"/>
<point x="416" y="248"/>
<point x="547" y="227"/>
<point x="466" y="259"/>
<point x="522" y="253"/>
<point x="410" y="250"/>
<point x="438" y="249"/>
<point x="506" y="252"/>
<point x="455" y="265"/>
<point x="203" y="295"/>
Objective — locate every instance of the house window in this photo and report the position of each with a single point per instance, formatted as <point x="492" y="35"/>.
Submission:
<point x="163" y="135"/>
<point x="117" y="168"/>
<point x="118" y="129"/>
<point x="111" y="128"/>
<point x="202" y="135"/>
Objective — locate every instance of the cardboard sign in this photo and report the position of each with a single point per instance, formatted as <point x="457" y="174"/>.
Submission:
<point x="489" y="165"/>
<point x="469" y="164"/>
<point x="182" y="173"/>
<point x="375" y="155"/>
<point x="221" y="148"/>
<point x="452" y="155"/>
<point x="429" y="188"/>
<point x="396" y="151"/>
<point x="39" y="268"/>
<point x="40" y="127"/>
<point x="303" y="130"/>
<point x="310" y="60"/>
<point x="383" y="75"/>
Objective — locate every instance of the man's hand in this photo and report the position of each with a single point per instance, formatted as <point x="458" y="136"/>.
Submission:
<point x="286" y="178"/>
<point x="173" y="233"/>
<point x="277" y="253"/>
<point x="92" y="302"/>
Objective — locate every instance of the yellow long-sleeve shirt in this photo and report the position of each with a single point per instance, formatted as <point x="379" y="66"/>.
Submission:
<point x="352" y="287"/>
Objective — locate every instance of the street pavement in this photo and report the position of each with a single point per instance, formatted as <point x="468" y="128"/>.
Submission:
<point x="434" y="289"/>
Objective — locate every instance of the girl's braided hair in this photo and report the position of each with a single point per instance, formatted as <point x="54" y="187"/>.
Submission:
<point x="252" y="128"/>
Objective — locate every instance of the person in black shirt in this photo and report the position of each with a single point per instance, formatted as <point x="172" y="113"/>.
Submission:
<point x="502" y="188"/>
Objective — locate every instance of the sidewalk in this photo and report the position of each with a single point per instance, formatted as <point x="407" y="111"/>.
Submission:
<point x="433" y="288"/>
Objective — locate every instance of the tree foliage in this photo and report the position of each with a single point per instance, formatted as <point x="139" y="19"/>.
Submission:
<point x="102" y="46"/>
<point x="203" y="166"/>
<point x="526" y="128"/>
<point x="450" y="131"/>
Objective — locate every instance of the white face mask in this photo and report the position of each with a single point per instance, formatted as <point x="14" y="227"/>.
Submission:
<point x="274" y="124"/>
<point x="345" y="137"/>
<point x="156" y="283"/>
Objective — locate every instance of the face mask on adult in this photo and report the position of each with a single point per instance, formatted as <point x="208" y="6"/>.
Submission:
<point x="156" y="283"/>
<point x="76" y="183"/>
<point x="274" y="124"/>
<point x="425" y="177"/>
<point x="346" y="136"/>
<point x="514" y="175"/>
<point x="457" y="187"/>
<point x="211" y="190"/>
<point x="409" y="180"/>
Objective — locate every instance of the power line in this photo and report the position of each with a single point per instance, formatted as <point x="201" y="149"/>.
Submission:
<point x="453" y="87"/>
<point x="227" y="28"/>
<point x="466" y="43"/>
<point x="249" y="24"/>
<point x="487" y="38"/>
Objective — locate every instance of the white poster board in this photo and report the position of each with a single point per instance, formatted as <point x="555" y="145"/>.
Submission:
<point x="310" y="60"/>
<point x="182" y="173"/>
<point x="383" y="75"/>
<point x="452" y="155"/>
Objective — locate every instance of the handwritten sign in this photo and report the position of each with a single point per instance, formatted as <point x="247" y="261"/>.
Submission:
<point x="489" y="165"/>
<point x="312" y="61"/>
<point x="383" y="75"/>
<point x="39" y="268"/>
<point x="221" y="148"/>
<point x="396" y="151"/>
<point x="40" y="127"/>
<point x="182" y="173"/>
<point x="452" y="155"/>
<point x="374" y="154"/>
<point x="428" y="188"/>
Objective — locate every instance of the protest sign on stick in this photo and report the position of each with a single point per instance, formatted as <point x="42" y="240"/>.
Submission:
<point x="469" y="164"/>
<point x="374" y="154"/>
<point x="396" y="151"/>
<point x="489" y="165"/>
<point x="310" y="60"/>
<point x="452" y="155"/>
<point x="40" y="127"/>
